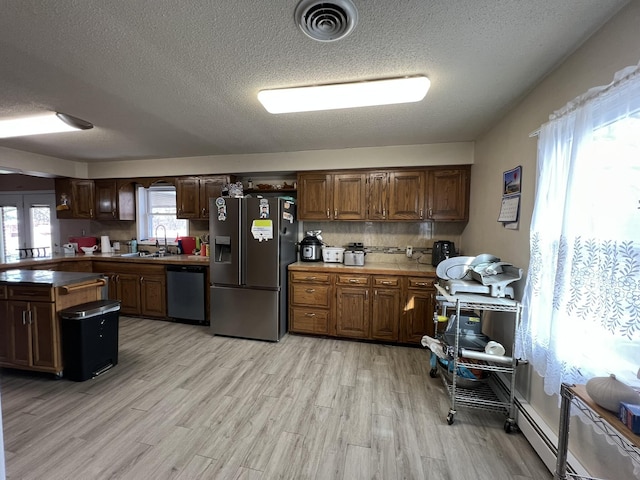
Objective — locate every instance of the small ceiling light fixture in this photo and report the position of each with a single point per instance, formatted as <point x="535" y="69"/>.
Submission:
<point x="49" y="122"/>
<point x="345" y="95"/>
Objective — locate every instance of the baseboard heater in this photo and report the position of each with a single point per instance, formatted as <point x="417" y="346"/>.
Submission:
<point x="542" y="438"/>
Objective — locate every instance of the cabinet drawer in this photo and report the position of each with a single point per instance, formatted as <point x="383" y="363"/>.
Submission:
<point x="43" y="294"/>
<point x="387" y="282"/>
<point x="353" y="280"/>
<point x="310" y="294"/>
<point x="421" y="282"/>
<point x="310" y="277"/>
<point x="309" y="320"/>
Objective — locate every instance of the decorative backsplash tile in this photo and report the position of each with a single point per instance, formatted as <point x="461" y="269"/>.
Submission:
<point x="383" y="237"/>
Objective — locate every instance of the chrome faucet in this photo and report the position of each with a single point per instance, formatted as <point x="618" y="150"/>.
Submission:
<point x="163" y="250"/>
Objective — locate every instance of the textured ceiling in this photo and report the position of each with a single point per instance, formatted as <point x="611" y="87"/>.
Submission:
<point x="169" y="78"/>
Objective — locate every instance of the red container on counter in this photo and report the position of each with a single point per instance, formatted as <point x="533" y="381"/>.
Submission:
<point x="84" y="241"/>
<point x="188" y="244"/>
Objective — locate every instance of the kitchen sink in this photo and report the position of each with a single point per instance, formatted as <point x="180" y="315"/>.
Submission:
<point x="145" y="255"/>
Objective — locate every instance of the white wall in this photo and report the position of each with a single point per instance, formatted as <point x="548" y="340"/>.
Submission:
<point x="507" y="145"/>
<point x="460" y="153"/>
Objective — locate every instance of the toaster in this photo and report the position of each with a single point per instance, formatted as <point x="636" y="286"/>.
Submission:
<point x="354" y="257"/>
<point x="332" y="254"/>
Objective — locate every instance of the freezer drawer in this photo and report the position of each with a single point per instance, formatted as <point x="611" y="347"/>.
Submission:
<point x="247" y="313"/>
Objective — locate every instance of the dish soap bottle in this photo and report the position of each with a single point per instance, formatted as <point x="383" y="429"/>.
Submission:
<point x="134" y="245"/>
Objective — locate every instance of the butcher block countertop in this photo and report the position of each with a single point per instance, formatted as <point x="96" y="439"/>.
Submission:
<point x="378" y="268"/>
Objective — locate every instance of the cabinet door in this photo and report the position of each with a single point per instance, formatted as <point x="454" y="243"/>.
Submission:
<point x="418" y="315"/>
<point x="315" y="196"/>
<point x="128" y="288"/>
<point x="112" y="286"/>
<point x="44" y="327"/>
<point x="82" y="198"/>
<point x="406" y="195"/>
<point x="106" y="193"/>
<point x="386" y="315"/>
<point x="210" y="187"/>
<point x="5" y="332"/>
<point x="349" y="196"/>
<point x="188" y="197"/>
<point x="352" y="312"/>
<point x="448" y="195"/>
<point x="20" y="338"/>
<point x="378" y="194"/>
<point x="153" y="296"/>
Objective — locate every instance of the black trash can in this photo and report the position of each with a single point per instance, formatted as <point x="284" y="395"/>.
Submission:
<point x="90" y="338"/>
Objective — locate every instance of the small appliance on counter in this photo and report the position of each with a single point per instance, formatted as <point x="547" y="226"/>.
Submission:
<point x="68" y="249"/>
<point x="354" y="254"/>
<point x="332" y="254"/>
<point x="442" y="250"/>
<point x="311" y="247"/>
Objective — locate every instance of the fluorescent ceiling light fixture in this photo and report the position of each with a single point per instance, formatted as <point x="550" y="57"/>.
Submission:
<point x="49" y="122"/>
<point x="345" y="95"/>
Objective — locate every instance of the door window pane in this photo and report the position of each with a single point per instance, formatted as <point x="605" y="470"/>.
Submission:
<point x="40" y="225"/>
<point x="9" y="236"/>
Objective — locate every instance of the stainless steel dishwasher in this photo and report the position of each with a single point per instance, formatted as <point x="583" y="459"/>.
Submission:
<point x="186" y="292"/>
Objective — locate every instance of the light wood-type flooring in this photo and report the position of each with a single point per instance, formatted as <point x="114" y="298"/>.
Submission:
<point x="183" y="404"/>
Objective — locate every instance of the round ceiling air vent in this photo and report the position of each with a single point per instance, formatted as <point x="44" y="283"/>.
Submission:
<point x="326" y="21"/>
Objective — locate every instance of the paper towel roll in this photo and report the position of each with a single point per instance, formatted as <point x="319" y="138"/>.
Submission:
<point x="106" y="244"/>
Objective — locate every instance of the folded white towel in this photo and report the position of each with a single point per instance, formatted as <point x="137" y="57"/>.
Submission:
<point x="434" y="345"/>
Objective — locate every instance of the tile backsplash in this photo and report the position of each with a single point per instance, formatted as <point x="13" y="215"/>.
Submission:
<point x="383" y="237"/>
<point x="386" y="241"/>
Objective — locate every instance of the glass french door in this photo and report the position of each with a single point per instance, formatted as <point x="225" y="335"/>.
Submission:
<point x="27" y="221"/>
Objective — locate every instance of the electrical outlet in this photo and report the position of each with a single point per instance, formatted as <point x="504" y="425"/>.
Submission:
<point x="409" y="251"/>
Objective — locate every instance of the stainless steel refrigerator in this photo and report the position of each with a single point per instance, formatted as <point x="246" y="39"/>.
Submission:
<point x="252" y="241"/>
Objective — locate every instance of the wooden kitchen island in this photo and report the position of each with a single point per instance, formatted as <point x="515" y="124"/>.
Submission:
<point x="29" y="321"/>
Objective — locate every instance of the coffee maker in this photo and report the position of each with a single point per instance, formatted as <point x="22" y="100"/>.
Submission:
<point x="442" y="250"/>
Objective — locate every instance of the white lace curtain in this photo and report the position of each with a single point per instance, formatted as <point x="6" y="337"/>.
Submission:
<point x="582" y="297"/>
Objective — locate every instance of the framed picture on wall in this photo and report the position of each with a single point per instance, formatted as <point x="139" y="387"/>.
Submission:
<point x="511" y="181"/>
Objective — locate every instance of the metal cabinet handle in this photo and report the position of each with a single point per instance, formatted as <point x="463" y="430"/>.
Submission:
<point x="310" y="290"/>
<point x="113" y="213"/>
<point x="91" y="212"/>
<point x="421" y="284"/>
<point x="335" y="213"/>
<point x="310" y="315"/>
<point x="30" y="317"/>
<point x="24" y="317"/>
<point x="430" y="212"/>
<point x="309" y="278"/>
<point x="384" y="282"/>
<point x="366" y="294"/>
<point x="328" y="214"/>
<point x="204" y="212"/>
<point x="384" y="213"/>
<point x="421" y="213"/>
<point x="353" y="280"/>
